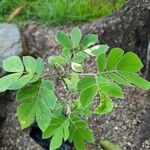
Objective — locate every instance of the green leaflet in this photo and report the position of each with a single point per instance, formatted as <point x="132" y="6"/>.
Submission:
<point x="112" y="90"/>
<point x="89" y="40"/>
<point x="13" y="64"/>
<point x="48" y="84"/>
<point x="26" y="112"/>
<point x="101" y="50"/>
<point x="72" y="82"/>
<point x="103" y="79"/>
<point x="114" y="56"/>
<point x="43" y="113"/>
<point x="8" y="80"/>
<point x="85" y="112"/>
<point x="101" y="62"/>
<point x="39" y="66"/>
<point x="49" y="97"/>
<point x="35" y="78"/>
<point x="57" y="60"/>
<point x="87" y="95"/>
<point x="136" y="80"/>
<point x="78" y="140"/>
<point x="85" y="82"/>
<point x="30" y="64"/>
<point x="56" y="140"/>
<point x="56" y="122"/>
<point x="76" y="36"/>
<point x="21" y="82"/>
<point x="66" y="129"/>
<point x="97" y="50"/>
<point x="130" y="62"/>
<point x="59" y="130"/>
<point x="79" y="57"/>
<point x="64" y="40"/>
<point x="76" y="67"/>
<point x="106" y="105"/>
<point x="119" y="79"/>
<point x="27" y="93"/>
<point x="66" y="53"/>
<point x="79" y="133"/>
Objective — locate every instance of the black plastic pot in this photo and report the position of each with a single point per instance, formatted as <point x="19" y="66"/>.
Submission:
<point x="36" y="135"/>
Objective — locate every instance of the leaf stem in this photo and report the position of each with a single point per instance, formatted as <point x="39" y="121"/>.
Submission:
<point x="60" y="76"/>
<point x="86" y="74"/>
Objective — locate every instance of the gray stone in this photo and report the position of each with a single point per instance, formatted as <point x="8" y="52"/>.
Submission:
<point x="10" y="42"/>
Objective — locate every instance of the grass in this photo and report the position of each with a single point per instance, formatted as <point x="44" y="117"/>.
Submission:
<point x="56" y="12"/>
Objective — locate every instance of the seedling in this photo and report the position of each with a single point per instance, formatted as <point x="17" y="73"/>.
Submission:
<point x="66" y="120"/>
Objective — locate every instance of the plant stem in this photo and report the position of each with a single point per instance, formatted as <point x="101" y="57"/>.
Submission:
<point x="59" y="75"/>
<point x="86" y="74"/>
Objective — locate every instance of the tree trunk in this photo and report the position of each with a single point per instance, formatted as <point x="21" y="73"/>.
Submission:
<point x="129" y="28"/>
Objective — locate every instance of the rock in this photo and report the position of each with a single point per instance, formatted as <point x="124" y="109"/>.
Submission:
<point x="10" y="42"/>
<point x="127" y="28"/>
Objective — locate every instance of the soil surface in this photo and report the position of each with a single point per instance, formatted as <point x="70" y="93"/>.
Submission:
<point x="128" y="124"/>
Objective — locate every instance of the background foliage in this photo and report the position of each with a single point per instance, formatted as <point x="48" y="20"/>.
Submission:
<point x="59" y="11"/>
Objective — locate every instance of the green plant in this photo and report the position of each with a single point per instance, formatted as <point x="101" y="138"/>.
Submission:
<point x="57" y="12"/>
<point x="64" y="120"/>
